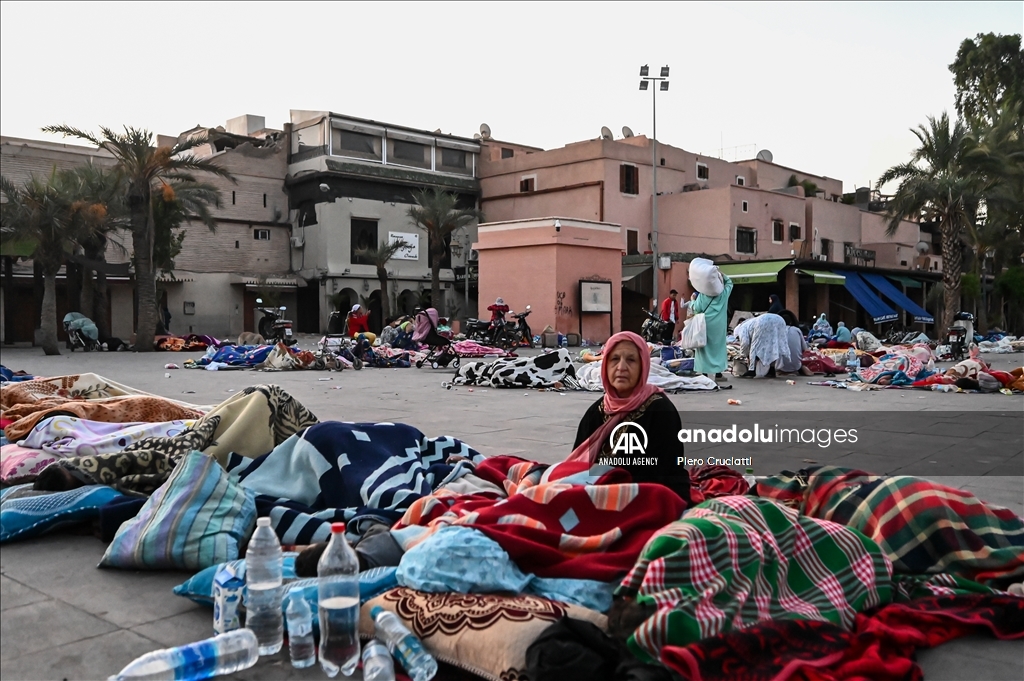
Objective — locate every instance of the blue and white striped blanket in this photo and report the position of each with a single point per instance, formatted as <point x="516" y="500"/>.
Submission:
<point x="347" y="472"/>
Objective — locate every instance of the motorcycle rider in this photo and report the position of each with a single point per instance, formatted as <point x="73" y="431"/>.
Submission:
<point x="498" y="312"/>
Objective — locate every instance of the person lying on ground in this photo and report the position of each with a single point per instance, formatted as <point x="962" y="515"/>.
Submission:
<point x="628" y="396"/>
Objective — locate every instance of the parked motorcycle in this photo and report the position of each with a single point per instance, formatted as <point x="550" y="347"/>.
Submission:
<point x="274" y="327"/>
<point x="960" y="335"/>
<point x="519" y="330"/>
<point x="479" y="330"/>
<point x="654" y="329"/>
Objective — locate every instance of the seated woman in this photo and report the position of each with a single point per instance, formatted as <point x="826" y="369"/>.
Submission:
<point x="626" y="363"/>
<point x="797" y="346"/>
<point x="359" y="323"/>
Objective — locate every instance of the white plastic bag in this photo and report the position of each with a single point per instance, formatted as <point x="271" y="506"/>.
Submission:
<point x="706" y="278"/>
<point x="695" y="332"/>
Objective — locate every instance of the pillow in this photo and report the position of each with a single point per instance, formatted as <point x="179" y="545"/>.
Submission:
<point x="21" y="464"/>
<point x="198" y="518"/>
<point x="485" y="634"/>
<point x="26" y="516"/>
<point x="372" y="583"/>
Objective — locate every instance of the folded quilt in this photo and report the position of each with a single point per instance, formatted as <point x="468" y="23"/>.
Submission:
<point x="334" y="471"/>
<point x="542" y="371"/>
<point x="923" y="527"/>
<point x="734" y="562"/>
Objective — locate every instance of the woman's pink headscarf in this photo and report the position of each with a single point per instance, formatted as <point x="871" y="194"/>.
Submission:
<point x="619" y="408"/>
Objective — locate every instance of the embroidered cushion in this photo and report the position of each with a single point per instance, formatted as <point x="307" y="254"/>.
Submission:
<point x="485" y="634"/>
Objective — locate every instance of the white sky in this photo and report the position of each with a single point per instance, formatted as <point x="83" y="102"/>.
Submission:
<point x="829" y="88"/>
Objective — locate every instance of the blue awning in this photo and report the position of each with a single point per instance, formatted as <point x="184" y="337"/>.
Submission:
<point x="896" y="296"/>
<point x="858" y="288"/>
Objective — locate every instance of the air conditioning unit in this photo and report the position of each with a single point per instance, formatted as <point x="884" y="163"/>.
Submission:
<point x="297" y="242"/>
<point x="821" y="256"/>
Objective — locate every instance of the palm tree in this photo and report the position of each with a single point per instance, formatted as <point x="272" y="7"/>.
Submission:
<point x="49" y="214"/>
<point x="437" y="213"/>
<point x="146" y="169"/>
<point x="935" y="185"/>
<point x="379" y="257"/>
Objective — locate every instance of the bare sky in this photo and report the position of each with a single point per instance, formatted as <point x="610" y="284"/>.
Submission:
<point x="828" y="88"/>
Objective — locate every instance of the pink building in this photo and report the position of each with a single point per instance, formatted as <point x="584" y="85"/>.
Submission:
<point x="562" y="267"/>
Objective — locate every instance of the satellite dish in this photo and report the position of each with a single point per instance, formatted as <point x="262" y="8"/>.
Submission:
<point x="765" y="155"/>
<point x="606" y="134"/>
<point x="626" y="132"/>
<point x="923" y="247"/>
<point x="485" y="131"/>
<point x="476" y="135"/>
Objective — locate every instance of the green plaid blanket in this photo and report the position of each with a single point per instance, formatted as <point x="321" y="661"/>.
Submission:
<point x="923" y="527"/>
<point x="734" y="561"/>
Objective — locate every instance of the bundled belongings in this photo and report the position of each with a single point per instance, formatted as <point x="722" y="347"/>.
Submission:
<point x="547" y="370"/>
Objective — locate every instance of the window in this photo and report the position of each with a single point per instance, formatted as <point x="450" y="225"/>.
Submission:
<point x="629" y="179"/>
<point x="356" y="144"/>
<point x="746" y="240"/>
<point x="778" y="231"/>
<point x="364" y="237"/>
<point x="744" y="206"/>
<point x="307" y="139"/>
<point x="741" y="181"/>
<point x="528" y="184"/>
<point x="401" y="152"/>
<point x="453" y="160"/>
<point x="826" y="248"/>
<point x="232" y="198"/>
<point x="261" y="234"/>
<point x="632" y="248"/>
<point x="794" y="231"/>
<point x="702" y="171"/>
<point x="264" y="200"/>
<point x="507" y="153"/>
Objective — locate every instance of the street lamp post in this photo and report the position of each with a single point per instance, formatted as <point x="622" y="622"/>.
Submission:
<point x="645" y="81"/>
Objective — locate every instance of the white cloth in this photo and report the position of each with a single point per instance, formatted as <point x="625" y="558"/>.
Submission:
<point x="764" y="340"/>
<point x="589" y="378"/>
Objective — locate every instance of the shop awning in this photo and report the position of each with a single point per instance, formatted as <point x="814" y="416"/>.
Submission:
<point x="824" y="277"/>
<point x="862" y="293"/>
<point x="173" y="278"/>
<point x="630" y="272"/>
<point x="269" y="281"/>
<point x="886" y="288"/>
<point x="754" y="272"/>
<point x="906" y="281"/>
<point x="17" y="249"/>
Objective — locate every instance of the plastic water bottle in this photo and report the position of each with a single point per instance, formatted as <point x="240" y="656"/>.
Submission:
<point x="223" y="654"/>
<point x="852" y="363"/>
<point x="338" y="603"/>
<point x="417" y="662"/>
<point x="377" y="664"/>
<point x="750" y="479"/>
<point x="300" y="631"/>
<point x="263" y="588"/>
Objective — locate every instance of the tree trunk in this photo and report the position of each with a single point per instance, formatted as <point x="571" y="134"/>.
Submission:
<point x="88" y="287"/>
<point x="8" y="295"/>
<point x="952" y="269"/>
<point x="385" y="301"/>
<point x="435" y="281"/>
<point x="48" y="324"/>
<point x="38" y="290"/>
<point x="73" y="279"/>
<point x="145" y="278"/>
<point x="100" y="305"/>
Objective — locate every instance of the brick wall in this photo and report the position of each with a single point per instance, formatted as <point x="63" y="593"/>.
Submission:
<point x="206" y="251"/>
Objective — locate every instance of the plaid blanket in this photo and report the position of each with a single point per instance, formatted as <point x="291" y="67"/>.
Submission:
<point x="923" y="527"/>
<point x="733" y="562"/>
<point x="880" y="645"/>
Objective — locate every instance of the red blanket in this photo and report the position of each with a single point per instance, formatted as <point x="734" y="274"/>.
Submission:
<point x="881" y="647"/>
<point x="559" y="530"/>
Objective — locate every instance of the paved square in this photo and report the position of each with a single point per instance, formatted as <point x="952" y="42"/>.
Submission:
<point x="62" y="618"/>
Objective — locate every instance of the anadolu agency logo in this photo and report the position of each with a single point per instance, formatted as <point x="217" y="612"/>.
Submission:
<point x="628" y="438"/>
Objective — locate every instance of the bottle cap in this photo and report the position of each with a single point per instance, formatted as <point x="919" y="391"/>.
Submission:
<point x="750" y="471"/>
<point x="375" y="610"/>
<point x="337" y="528"/>
<point x="263" y="522"/>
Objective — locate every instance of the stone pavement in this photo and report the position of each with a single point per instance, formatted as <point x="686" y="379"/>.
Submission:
<point x="64" y="619"/>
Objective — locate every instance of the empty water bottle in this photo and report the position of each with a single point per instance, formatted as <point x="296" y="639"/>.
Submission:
<point x="223" y="654"/>
<point x="338" y="603"/>
<point x="377" y="664"/>
<point x="417" y="662"/>
<point x="852" y="363"/>
<point x="263" y="561"/>
<point x="300" y="630"/>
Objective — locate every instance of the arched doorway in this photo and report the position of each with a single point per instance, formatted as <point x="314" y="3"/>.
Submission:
<point x="373" y="306"/>
<point x="407" y="302"/>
